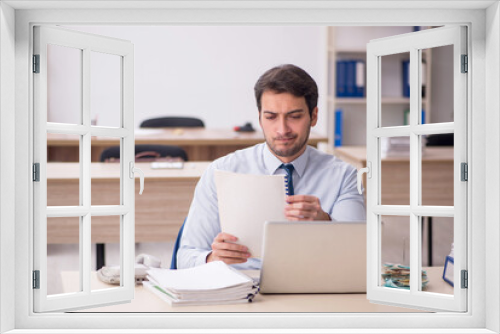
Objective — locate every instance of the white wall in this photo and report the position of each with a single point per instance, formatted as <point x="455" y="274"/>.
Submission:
<point x="7" y="167"/>
<point x="209" y="71"/>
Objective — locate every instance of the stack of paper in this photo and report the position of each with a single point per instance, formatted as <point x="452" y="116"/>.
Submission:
<point x="395" y="146"/>
<point x="209" y="284"/>
<point x="398" y="276"/>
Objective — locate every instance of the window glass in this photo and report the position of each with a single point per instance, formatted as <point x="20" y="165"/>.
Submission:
<point x="64" y="84"/>
<point x="63" y="255"/>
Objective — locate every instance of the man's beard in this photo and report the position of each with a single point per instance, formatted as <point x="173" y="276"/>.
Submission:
<point x="290" y="151"/>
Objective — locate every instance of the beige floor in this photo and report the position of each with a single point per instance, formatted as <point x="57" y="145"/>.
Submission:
<point x="395" y="249"/>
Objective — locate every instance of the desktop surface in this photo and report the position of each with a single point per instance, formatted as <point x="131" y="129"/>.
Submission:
<point x="145" y="301"/>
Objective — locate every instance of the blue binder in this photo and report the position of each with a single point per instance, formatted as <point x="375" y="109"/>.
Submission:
<point x="338" y="127"/>
<point x="351" y="78"/>
<point x="340" y="80"/>
<point x="359" y="77"/>
<point x="406" y="78"/>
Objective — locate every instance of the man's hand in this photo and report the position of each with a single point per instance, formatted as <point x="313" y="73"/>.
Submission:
<point x="304" y="207"/>
<point x="224" y="249"/>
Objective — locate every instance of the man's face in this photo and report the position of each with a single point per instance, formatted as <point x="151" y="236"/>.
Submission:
<point x="285" y="121"/>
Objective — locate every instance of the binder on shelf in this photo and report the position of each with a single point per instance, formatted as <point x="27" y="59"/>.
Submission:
<point x="423" y="77"/>
<point x="338" y="127"/>
<point x="351" y="78"/>
<point x="360" y="78"/>
<point x="406" y="78"/>
<point x="341" y="77"/>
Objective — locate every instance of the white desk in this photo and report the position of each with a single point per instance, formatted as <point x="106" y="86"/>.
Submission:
<point x="145" y="301"/>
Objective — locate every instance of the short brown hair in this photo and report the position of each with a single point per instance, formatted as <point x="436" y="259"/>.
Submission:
<point x="291" y="79"/>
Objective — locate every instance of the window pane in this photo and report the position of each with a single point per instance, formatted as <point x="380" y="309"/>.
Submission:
<point x="105" y="89"/>
<point x="64" y="84"/>
<point x="440" y="86"/>
<point x="63" y="178"/>
<point x="395" y="88"/>
<point x="437" y="253"/>
<point x="63" y="255"/>
<point x="395" y="241"/>
<point x="105" y="175"/>
<point x="395" y="170"/>
<point x="437" y="171"/>
<point x="106" y="230"/>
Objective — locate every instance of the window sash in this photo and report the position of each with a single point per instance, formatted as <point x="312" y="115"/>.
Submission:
<point x="87" y="297"/>
<point x="413" y="43"/>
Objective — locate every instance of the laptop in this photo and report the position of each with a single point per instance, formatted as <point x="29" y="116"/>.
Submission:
<point x="313" y="257"/>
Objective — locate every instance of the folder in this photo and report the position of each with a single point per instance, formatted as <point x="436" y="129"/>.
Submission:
<point x="341" y="77"/>
<point x="350" y="78"/>
<point x="338" y="127"/>
<point x="360" y="83"/>
<point x="406" y="78"/>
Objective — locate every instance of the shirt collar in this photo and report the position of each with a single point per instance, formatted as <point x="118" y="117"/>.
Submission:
<point x="272" y="163"/>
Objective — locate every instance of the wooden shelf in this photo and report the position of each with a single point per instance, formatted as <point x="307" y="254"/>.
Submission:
<point x="358" y="101"/>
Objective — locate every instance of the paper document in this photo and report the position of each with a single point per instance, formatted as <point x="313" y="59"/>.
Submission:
<point x="208" y="284"/>
<point x="246" y="202"/>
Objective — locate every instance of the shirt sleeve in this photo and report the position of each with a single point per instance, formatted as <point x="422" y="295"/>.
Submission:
<point x="350" y="205"/>
<point x="202" y="223"/>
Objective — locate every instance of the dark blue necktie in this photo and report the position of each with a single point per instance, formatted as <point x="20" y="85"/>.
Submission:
<point x="289" y="178"/>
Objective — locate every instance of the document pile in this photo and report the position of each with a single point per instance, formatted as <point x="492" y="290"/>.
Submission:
<point x="398" y="146"/>
<point x="209" y="284"/>
<point x="395" y="146"/>
<point x="398" y="276"/>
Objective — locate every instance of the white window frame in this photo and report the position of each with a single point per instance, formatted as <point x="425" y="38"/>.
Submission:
<point x="125" y="211"/>
<point x="413" y="44"/>
<point x="484" y="104"/>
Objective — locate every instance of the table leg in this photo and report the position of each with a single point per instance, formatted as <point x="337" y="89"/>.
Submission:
<point x="100" y="255"/>
<point x="429" y="241"/>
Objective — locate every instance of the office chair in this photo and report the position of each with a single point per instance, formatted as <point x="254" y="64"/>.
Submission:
<point x="173" y="262"/>
<point x="444" y="139"/>
<point x="173" y="122"/>
<point x="145" y="150"/>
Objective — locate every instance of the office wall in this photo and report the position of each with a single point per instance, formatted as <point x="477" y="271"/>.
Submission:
<point x="7" y="167"/>
<point x="209" y="71"/>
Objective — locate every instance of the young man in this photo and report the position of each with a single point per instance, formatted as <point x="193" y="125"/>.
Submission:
<point x="324" y="186"/>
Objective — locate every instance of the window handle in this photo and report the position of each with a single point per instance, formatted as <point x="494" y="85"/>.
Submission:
<point x="133" y="170"/>
<point x="368" y="171"/>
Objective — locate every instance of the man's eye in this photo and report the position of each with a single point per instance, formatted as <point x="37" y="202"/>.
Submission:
<point x="296" y="116"/>
<point x="270" y="117"/>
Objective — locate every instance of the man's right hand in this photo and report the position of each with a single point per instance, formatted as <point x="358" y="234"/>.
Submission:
<point x="225" y="249"/>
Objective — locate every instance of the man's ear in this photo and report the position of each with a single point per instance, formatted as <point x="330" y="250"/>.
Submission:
<point x="314" y="116"/>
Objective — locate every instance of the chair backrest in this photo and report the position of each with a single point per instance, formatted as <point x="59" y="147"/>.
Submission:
<point x="173" y="122"/>
<point x="173" y="262"/>
<point x="445" y="139"/>
<point x="113" y="153"/>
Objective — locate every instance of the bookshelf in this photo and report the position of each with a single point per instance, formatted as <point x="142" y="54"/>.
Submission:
<point x="349" y="43"/>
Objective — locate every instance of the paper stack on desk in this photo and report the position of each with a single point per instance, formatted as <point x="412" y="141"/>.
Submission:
<point x="398" y="276"/>
<point x="209" y="284"/>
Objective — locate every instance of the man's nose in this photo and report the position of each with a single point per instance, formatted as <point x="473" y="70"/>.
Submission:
<point x="283" y="127"/>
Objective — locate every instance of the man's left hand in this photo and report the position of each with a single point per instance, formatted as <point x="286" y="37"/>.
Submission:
<point x="304" y="207"/>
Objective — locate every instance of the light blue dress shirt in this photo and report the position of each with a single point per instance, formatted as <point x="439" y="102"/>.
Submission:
<point x="322" y="175"/>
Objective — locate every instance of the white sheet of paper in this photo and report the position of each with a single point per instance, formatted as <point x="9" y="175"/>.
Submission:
<point x="246" y="202"/>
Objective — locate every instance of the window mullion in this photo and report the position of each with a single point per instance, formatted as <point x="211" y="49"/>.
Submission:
<point x="85" y="177"/>
<point x="414" y="170"/>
